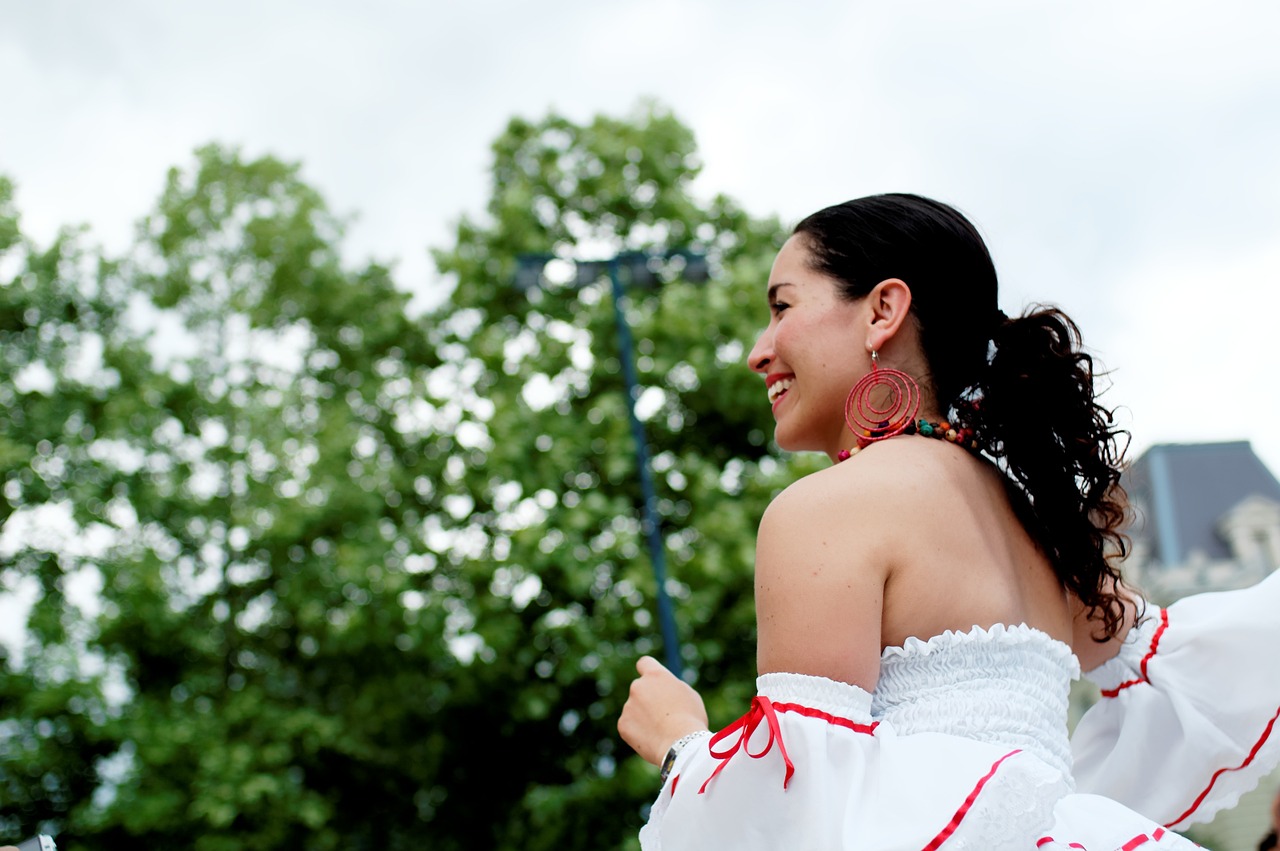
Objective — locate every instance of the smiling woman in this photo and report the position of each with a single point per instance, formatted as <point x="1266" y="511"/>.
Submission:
<point x="923" y="608"/>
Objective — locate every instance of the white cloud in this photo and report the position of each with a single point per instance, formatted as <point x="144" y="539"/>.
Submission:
<point x="1111" y="153"/>
<point x="1196" y="362"/>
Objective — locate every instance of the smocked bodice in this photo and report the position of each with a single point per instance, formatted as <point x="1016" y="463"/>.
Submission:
<point x="1005" y="685"/>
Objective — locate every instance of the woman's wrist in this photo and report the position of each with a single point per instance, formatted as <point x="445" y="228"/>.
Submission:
<point x="669" y="761"/>
<point x="673" y="729"/>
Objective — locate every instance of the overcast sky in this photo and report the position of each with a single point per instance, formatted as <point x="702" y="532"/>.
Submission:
<point x="1121" y="158"/>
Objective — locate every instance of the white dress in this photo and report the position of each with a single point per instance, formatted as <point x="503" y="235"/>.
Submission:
<point x="964" y="744"/>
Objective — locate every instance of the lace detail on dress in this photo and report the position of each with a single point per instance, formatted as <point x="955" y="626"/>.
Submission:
<point x="1007" y="685"/>
<point x="1006" y="814"/>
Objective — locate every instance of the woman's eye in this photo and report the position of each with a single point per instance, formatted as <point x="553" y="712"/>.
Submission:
<point x="778" y="307"/>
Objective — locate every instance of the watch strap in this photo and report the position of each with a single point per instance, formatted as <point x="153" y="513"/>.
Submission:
<point x="669" y="761"/>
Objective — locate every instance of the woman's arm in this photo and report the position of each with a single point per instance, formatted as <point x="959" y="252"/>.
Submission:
<point x="819" y="596"/>
<point x="820" y="577"/>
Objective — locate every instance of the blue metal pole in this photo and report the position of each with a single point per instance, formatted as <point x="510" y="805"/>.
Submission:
<point x="649" y="519"/>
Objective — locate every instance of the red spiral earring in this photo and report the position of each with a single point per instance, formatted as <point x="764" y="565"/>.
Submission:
<point x="870" y="421"/>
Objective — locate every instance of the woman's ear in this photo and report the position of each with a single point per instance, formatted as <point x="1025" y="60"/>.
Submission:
<point x="889" y="303"/>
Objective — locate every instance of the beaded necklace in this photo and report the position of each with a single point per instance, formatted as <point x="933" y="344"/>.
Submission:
<point x="942" y="431"/>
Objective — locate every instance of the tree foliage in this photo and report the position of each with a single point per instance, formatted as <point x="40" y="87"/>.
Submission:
<point x="358" y="578"/>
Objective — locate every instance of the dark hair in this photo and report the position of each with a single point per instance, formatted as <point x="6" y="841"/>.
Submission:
<point x="1023" y="385"/>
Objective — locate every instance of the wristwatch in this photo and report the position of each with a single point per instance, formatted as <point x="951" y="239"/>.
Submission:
<point x="669" y="761"/>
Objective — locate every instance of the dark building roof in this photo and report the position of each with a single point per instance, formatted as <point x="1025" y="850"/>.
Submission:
<point x="1181" y="491"/>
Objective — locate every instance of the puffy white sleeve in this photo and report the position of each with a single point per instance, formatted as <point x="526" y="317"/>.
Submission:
<point x="1187" y="719"/>
<point x="808" y="767"/>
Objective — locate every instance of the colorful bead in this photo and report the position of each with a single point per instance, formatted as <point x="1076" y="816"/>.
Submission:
<point x="960" y="436"/>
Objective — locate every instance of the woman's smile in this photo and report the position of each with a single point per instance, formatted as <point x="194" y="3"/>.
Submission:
<point x="777" y="387"/>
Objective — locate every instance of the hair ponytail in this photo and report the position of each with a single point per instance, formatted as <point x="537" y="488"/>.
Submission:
<point x="1035" y="410"/>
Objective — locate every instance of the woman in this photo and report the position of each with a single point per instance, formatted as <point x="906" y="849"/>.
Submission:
<point x="922" y="610"/>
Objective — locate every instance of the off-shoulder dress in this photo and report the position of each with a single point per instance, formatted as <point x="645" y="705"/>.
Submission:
<point x="964" y="743"/>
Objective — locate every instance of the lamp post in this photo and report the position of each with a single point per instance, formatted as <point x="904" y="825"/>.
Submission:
<point x="638" y="268"/>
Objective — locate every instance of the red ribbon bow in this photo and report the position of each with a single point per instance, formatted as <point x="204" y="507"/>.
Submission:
<point x="761" y="710"/>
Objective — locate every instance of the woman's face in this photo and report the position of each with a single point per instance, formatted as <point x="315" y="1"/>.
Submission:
<point x="811" y="353"/>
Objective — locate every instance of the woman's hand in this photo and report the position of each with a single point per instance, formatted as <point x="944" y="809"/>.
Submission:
<point x="661" y="709"/>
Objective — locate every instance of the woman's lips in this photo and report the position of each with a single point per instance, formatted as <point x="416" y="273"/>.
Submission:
<point x="778" y="388"/>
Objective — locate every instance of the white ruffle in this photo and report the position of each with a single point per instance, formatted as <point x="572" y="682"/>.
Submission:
<point x="1005" y="635"/>
<point x="1095" y="823"/>
<point x="857" y="785"/>
<point x="1191" y="723"/>
<point x="1127" y="663"/>
<point x="819" y="693"/>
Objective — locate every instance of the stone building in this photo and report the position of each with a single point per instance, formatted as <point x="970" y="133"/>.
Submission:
<point x="1206" y="518"/>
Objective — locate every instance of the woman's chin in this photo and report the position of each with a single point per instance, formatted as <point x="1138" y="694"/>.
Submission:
<point x="790" y="442"/>
<point x="782" y="440"/>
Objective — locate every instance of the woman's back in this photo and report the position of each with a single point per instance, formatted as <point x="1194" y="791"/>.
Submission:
<point x="964" y="558"/>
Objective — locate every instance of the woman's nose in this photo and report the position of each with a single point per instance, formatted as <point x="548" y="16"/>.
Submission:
<point x="761" y="354"/>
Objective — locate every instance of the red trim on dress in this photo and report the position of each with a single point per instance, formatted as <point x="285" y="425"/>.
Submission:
<point x="1266" y="734"/>
<point x="762" y="709"/>
<point x="1142" y="667"/>
<point x="1137" y="841"/>
<point x="765" y="710"/>
<point x="964" y="808"/>
<point x="1142" y="839"/>
<point x="810" y="712"/>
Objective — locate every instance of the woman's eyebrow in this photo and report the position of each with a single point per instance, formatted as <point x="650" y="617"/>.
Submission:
<point x="773" y="290"/>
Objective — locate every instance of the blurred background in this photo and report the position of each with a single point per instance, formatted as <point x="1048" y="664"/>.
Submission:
<point x="334" y="474"/>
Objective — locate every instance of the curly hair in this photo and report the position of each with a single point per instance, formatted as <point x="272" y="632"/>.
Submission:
<point x="1024" y="385"/>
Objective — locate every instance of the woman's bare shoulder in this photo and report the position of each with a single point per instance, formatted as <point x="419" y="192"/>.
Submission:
<point x="819" y="581"/>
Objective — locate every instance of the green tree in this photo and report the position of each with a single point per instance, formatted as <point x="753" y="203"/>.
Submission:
<point x="250" y="447"/>
<point x="560" y="586"/>
<point x="56" y="310"/>
<point x="366" y="579"/>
